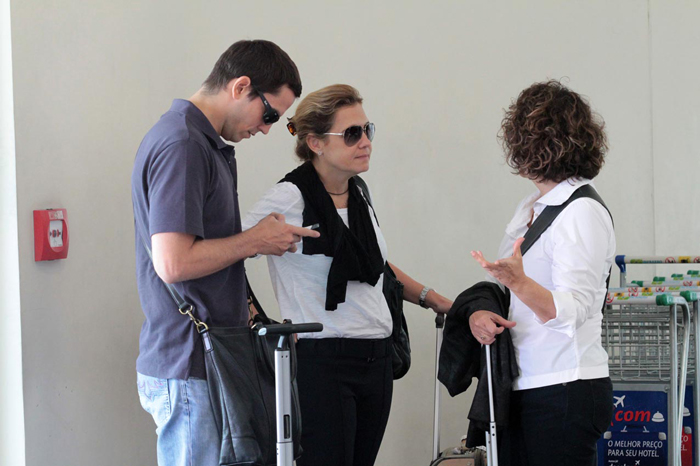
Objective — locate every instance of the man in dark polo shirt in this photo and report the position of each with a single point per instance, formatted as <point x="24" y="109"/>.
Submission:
<point x="184" y="192"/>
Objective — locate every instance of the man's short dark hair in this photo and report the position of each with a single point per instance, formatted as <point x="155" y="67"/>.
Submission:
<point x="268" y="67"/>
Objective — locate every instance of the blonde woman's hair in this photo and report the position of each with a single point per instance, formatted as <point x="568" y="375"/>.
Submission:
<point x="316" y="112"/>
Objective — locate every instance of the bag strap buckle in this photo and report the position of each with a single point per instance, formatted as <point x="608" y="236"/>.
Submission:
<point x="188" y="310"/>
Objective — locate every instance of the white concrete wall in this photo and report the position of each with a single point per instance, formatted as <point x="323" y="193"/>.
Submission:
<point x="675" y="38"/>
<point x="11" y="396"/>
<point x="90" y="78"/>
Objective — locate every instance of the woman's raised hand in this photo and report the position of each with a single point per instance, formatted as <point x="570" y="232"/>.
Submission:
<point x="508" y="271"/>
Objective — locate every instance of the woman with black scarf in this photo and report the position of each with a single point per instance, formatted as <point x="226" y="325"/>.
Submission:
<point x="345" y="372"/>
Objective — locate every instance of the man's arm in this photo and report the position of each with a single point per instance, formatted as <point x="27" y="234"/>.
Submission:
<point x="180" y="256"/>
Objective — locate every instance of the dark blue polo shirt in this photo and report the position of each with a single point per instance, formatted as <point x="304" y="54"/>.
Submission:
<point x="184" y="180"/>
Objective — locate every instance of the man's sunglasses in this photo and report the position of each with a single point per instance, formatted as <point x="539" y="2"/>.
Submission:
<point x="270" y="115"/>
<point x="353" y="134"/>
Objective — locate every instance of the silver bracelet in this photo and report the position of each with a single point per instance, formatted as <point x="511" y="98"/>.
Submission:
<point x="421" y="298"/>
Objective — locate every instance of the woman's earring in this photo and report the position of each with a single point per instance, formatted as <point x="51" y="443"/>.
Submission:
<point x="320" y="153"/>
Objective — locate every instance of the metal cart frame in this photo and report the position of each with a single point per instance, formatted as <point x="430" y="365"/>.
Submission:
<point x="643" y="334"/>
<point x="641" y="337"/>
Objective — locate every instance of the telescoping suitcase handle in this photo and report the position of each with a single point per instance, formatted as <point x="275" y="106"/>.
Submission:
<point x="283" y="382"/>
<point x="439" y="325"/>
<point x="289" y="328"/>
<point x="491" y="438"/>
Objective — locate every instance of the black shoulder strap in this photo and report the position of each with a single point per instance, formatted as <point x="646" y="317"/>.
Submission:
<point x="261" y="316"/>
<point x="181" y="304"/>
<point x="552" y="212"/>
<point x="188" y="309"/>
<point x="365" y="190"/>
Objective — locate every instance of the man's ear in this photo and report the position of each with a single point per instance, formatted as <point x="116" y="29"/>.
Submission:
<point x="239" y="87"/>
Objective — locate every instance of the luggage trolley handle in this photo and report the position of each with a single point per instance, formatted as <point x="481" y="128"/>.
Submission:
<point x="288" y="328"/>
<point x="677" y="394"/>
<point x="283" y="382"/>
<point x="491" y="439"/>
<point x="696" y="391"/>
<point x="683" y="372"/>
<point x="439" y="327"/>
<point x="689" y="315"/>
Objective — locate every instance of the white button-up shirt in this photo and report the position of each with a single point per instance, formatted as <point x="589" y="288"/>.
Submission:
<point x="572" y="259"/>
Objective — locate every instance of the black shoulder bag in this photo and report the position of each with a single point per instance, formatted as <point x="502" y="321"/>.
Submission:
<point x="551" y="212"/>
<point x="241" y="378"/>
<point x="393" y="293"/>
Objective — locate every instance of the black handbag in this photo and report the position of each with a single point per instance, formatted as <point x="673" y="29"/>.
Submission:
<point x="401" y="343"/>
<point x="393" y="293"/>
<point x="241" y="378"/>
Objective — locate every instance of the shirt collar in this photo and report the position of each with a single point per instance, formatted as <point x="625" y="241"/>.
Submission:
<point x="198" y="119"/>
<point x="557" y="196"/>
<point x="560" y="193"/>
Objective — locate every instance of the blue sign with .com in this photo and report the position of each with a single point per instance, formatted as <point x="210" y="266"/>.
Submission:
<point x="638" y="432"/>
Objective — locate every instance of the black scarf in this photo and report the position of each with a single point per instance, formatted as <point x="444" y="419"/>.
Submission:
<point x="355" y="252"/>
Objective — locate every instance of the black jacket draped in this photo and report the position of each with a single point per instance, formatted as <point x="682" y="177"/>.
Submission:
<point x="462" y="357"/>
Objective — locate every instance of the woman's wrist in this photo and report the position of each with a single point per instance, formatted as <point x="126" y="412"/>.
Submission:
<point x="437" y="302"/>
<point x="520" y="286"/>
<point x="423" y="297"/>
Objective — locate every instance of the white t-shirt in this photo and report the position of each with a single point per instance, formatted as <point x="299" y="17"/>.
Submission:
<point x="572" y="259"/>
<point x="299" y="280"/>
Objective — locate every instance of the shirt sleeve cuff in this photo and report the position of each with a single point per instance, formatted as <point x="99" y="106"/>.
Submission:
<point x="565" y="321"/>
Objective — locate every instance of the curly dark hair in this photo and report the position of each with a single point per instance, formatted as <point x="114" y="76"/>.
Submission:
<point x="550" y="134"/>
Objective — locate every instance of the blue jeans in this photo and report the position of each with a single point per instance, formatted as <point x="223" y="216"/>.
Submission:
<point x="187" y="432"/>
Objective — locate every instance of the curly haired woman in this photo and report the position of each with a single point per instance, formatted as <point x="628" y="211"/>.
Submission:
<point x="562" y="399"/>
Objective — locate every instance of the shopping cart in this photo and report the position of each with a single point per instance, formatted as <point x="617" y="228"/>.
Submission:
<point x="677" y="279"/>
<point x="636" y="291"/>
<point x="621" y="295"/>
<point x="622" y="261"/>
<point x="662" y="282"/>
<point x="643" y="324"/>
<point x="640" y="335"/>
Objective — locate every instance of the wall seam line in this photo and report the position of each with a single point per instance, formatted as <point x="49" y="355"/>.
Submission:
<point x="651" y="129"/>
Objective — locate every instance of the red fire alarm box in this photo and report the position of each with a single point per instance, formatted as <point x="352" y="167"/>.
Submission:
<point x="50" y="234"/>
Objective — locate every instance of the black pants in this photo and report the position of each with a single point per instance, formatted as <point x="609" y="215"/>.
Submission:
<point x="345" y="388"/>
<point x="557" y="425"/>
